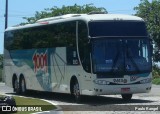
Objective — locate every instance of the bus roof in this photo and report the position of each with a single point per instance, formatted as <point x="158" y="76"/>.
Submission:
<point x="72" y="17"/>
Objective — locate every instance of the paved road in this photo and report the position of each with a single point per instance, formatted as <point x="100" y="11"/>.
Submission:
<point x="107" y="104"/>
<point x="5" y="89"/>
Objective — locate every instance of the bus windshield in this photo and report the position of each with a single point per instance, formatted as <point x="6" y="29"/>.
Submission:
<point x="121" y="55"/>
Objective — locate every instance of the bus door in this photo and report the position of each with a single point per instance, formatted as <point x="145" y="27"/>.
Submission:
<point x="57" y="67"/>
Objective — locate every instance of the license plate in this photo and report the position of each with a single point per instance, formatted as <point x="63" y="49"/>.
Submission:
<point x="125" y="90"/>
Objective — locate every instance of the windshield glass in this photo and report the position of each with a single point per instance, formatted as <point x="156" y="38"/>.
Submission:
<point x="121" y="55"/>
<point x="117" y="28"/>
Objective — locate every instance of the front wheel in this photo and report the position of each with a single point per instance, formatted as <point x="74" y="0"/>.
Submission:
<point x="76" y="91"/>
<point x="126" y="97"/>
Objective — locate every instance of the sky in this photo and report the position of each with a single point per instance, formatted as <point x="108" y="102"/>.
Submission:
<point x="27" y="8"/>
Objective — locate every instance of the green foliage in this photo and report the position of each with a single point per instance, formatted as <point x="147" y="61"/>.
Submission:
<point x="156" y="75"/>
<point x="0" y="74"/>
<point x="55" y="11"/>
<point x="150" y="12"/>
<point x="1" y="61"/>
<point x="26" y="102"/>
<point x="156" y="72"/>
<point x="156" y="81"/>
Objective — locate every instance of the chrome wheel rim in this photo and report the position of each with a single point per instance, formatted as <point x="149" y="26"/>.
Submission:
<point x="16" y="84"/>
<point x="76" y="90"/>
<point x="23" y="85"/>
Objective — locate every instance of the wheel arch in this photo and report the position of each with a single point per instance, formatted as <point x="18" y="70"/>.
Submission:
<point x="21" y="76"/>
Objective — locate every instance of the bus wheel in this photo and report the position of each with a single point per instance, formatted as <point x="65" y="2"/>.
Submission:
<point x="16" y="86"/>
<point x="22" y="86"/>
<point x="126" y="97"/>
<point x="76" y="91"/>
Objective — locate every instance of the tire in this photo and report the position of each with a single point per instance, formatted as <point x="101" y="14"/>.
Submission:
<point x="76" y="91"/>
<point x="22" y="86"/>
<point x="16" y="86"/>
<point x="126" y="97"/>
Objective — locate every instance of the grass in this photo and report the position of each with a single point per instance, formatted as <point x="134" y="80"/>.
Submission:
<point x="30" y="102"/>
<point x="45" y="106"/>
<point x="156" y="81"/>
<point x="156" y="75"/>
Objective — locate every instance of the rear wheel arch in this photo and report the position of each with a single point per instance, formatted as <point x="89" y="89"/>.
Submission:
<point x="21" y="77"/>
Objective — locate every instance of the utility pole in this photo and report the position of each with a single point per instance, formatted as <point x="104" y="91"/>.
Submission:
<point x="6" y="15"/>
<point x="6" y="25"/>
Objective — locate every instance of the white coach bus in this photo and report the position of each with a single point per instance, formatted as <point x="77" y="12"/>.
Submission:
<point x="80" y="54"/>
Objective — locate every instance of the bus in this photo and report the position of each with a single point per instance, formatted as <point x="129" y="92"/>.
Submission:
<point x="80" y="54"/>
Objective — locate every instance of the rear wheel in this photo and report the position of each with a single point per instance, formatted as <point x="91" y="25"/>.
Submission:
<point x="127" y="97"/>
<point x="16" y="86"/>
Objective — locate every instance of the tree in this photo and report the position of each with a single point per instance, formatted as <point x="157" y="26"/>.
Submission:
<point x="55" y="11"/>
<point x="150" y="12"/>
<point x="1" y="61"/>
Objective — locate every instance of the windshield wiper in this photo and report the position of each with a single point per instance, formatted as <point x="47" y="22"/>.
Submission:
<point x="115" y="67"/>
<point x="132" y="60"/>
<point x="115" y="62"/>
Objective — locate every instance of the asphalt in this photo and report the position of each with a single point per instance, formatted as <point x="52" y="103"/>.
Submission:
<point x="138" y="98"/>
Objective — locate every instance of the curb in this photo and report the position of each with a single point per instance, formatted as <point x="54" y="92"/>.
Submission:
<point x="58" y="109"/>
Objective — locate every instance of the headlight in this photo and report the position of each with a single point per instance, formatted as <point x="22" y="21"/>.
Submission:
<point x="148" y="80"/>
<point x="101" y="82"/>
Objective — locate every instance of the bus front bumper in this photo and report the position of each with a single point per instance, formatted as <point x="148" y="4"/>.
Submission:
<point x="118" y="89"/>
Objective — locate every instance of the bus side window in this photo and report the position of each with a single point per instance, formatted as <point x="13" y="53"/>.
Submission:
<point x="84" y="47"/>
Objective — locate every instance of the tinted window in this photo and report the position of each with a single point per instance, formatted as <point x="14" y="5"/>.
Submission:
<point x="117" y="28"/>
<point x="55" y="35"/>
<point x="121" y="56"/>
<point x="84" y="46"/>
